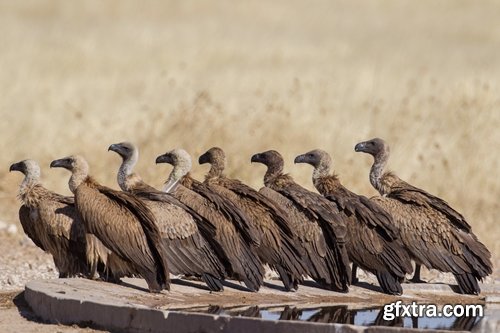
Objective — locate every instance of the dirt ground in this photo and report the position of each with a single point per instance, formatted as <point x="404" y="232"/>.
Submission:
<point x="21" y="261"/>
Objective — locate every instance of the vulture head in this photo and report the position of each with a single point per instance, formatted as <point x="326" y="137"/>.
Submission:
<point x="217" y="158"/>
<point x="373" y="147"/>
<point x="126" y="150"/>
<point x="72" y="163"/>
<point x="77" y="165"/>
<point x="27" y="167"/>
<point x="214" y="155"/>
<point x="317" y="158"/>
<point x="181" y="161"/>
<point x="270" y="158"/>
<point x="177" y="158"/>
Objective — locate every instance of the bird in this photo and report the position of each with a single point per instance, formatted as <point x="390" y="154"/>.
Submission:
<point x="120" y="221"/>
<point x="185" y="237"/>
<point x="434" y="234"/>
<point x="317" y="209"/>
<point x="51" y="222"/>
<point x="237" y="249"/>
<point x="279" y="247"/>
<point x="373" y="239"/>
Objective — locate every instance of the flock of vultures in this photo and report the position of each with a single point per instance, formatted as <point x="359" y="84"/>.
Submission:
<point x="223" y="229"/>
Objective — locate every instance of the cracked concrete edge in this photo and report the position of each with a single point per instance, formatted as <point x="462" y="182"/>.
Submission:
<point x="58" y="308"/>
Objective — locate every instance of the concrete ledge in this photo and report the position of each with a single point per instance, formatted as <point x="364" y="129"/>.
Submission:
<point x="128" y="308"/>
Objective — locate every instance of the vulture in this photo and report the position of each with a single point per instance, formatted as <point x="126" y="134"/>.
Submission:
<point x="373" y="239"/>
<point x="317" y="209"/>
<point x="123" y="223"/>
<point x="184" y="236"/>
<point x="235" y="243"/>
<point x="51" y="222"/>
<point x="434" y="234"/>
<point x="279" y="247"/>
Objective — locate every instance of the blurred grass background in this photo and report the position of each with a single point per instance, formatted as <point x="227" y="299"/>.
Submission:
<point x="250" y="76"/>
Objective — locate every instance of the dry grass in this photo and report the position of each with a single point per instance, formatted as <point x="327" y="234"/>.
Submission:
<point x="288" y="75"/>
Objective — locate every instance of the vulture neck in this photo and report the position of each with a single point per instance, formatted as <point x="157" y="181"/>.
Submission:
<point x="125" y="171"/>
<point x="320" y="171"/>
<point x="216" y="169"/>
<point x="78" y="176"/>
<point x="31" y="179"/>
<point x="273" y="171"/>
<point x="322" y="179"/>
<point x="377" y="170"/>
<point x="179" y="171"/>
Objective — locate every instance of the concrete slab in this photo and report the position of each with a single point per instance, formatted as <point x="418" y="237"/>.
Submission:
<point x="129" y="307"/>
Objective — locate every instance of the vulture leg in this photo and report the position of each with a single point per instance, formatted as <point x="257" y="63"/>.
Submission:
<point x="354" y="278"/>
<point x="416" y="275"/>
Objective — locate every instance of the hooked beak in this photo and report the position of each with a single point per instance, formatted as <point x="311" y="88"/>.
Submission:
<point x="204" y="159"/>
<point x="164" y="159"/>
<point x="255" y="158"/>
<point x="57" y="164"/>
<point x="300" y="159"/>
<point x="114" y="147"/>
<point x="360" y="147"/>
<point x="15" y="167"/>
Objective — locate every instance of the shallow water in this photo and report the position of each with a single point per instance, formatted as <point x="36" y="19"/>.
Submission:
<point x="341" y="314"/>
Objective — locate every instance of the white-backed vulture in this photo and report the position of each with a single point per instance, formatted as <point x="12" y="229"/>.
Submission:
<point x="435" y="235"/>
<point x="120" y="221"/>
<point x="53" y="224"/>
<point x="373" y="240"/>
<point x="279" y="247"/>
<point x="238" y="256"/>
<point x="317" y="209"/>
<point x="185" y="238"/>
<point x="51" y="221"/>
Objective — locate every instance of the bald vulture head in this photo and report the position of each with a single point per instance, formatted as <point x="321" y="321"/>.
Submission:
<point x="130" y="155"/>
<point x="181" y="161"/>
<point x="178" y="158"/>
<point x="270" y="158"/>
<point x="318" y="158"/>
<point x="29" y="168"/>
<point x="126" y="150"/>
<point x="77" y="165"/>
<point x="216" y="157"/>
<point x="375" y="147"/>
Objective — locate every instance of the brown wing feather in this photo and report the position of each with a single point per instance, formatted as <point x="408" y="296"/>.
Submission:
<point x="205" y="226"/>
<point x="434" y="242"/>
<point x="29" y="227"/>
<point x="238" y="257"/>
<point x="373" y="238"/>
<point x="240" y="220"/>
<point x="407" y="193"/>
<point x="311" y="239"/>
<point x="279" y="216"/>
<point x="188" y="252"/>
<point x="365" y="211"/>
<point x="277" y="248"/>
<point x="125" y="226"/>
<point x="66" y="233"/>
<point x="326" y="214"/>
<point x="318" y="208"/>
